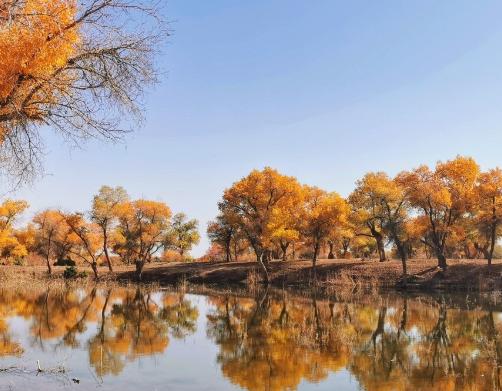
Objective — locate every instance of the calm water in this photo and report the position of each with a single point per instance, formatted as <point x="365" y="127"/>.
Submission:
<point x="134" y="339"/>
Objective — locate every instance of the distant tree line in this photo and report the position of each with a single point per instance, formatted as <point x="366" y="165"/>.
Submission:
<point x="134" y="231"/>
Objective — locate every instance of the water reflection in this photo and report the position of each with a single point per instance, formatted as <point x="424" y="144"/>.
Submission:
<point x="270" y="341"/>
<point x="126" y="323"/>
<point x="275" y="343"/>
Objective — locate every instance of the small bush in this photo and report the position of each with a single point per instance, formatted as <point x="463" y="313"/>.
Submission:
<point x="70" y="272"/>
<point x="19" y="262"/>
<point x="65" y="262"/>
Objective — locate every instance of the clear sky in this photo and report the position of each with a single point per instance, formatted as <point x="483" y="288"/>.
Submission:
<point x="323" y="90"/>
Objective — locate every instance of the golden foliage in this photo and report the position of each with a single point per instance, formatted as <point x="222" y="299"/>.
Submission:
<point x="37" y="38"/>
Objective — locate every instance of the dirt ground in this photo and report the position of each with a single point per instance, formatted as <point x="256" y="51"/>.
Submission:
<point x="462" y="274"/>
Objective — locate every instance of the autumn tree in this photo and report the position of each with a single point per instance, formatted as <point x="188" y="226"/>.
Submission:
<point x="105" y="208"/>
<point x="285" y="224"/>
<point x="183" y="234"/>
<point x="50" y="226"/>
<point x="88" y="237"/>
<point x="66" y="242"/>
<point x="391" y="208"/>
<point x="76" y="66"/>
<point x="366" y="211"/>
<point x="340" y="239"/>
<point x="221" y="231"/>
<point x="489" y="216"/>
<point x="322" y="211"/>
<point x="26" y="237"/>
<point x="142" y="230"/>
<point x="363" y="247"/>
<point x="442" y="198"/>
<point x="255" y="200"/>
<point x="10" y="246"/>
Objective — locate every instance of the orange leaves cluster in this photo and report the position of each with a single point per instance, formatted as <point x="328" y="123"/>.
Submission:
<point x="322" y="213"/>
<point x="449" y="187"/>
<point x="263" y="205"/>
<point x="142" y="231"/>
<point x="13" y="243"/>
<point x="143" y="225"/>
<point x="272" y="209"/>
<point x="37" y="38"/>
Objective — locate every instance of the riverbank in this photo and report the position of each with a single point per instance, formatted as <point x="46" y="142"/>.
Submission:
<point x="461" y="275"/>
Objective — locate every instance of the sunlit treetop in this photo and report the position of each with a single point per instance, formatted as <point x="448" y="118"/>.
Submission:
<point x="262" y="204"/>
<point x="36" y="40"/>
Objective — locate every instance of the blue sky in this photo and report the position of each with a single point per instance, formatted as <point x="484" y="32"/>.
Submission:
<point x="322" y="90"/>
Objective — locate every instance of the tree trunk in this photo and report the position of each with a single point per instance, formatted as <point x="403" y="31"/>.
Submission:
<point x="402" y="250"/>
<point x="259" y="258"/>
<point x="379" y="241"/>
<point x="427" y="252"/>
<point x="345" y="246"/>
<point x="331" y="255"/>
<point x="405" y="269"/>
<point x="236" y="250"/>
<point x="48" y="259"/>
<point x="139" y="269"/>
<point x="493" y="233"/>
<point x="438" y="247"/>
<point x="284" y="249"/>
<point x="441" y="260"/>
<point x="227" y="251"/>
<point x="105" y="250"/>
<point x="493" y="239"/>
<point x="467" y="252"/>
<point x="94" y="267"/>
<point x="381" y="249"/>
<point x="49" y="267"/>
<point x="265" y="257"/>
<point x="314" y="259"/>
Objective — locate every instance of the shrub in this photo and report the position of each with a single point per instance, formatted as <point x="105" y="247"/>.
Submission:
<point x="65" y="262"/>
<point x="70" y="272"/>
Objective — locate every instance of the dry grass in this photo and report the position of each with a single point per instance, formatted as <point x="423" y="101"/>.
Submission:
<point x="334" y="274"/>
<point x="36" y="278"/>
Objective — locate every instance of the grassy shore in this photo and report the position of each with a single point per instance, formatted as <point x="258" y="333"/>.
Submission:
<point x="461" y="275"/>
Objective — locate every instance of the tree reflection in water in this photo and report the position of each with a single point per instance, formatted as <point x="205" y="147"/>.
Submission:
<point x="129" y="323"/>
<point x="272" y="341"/>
